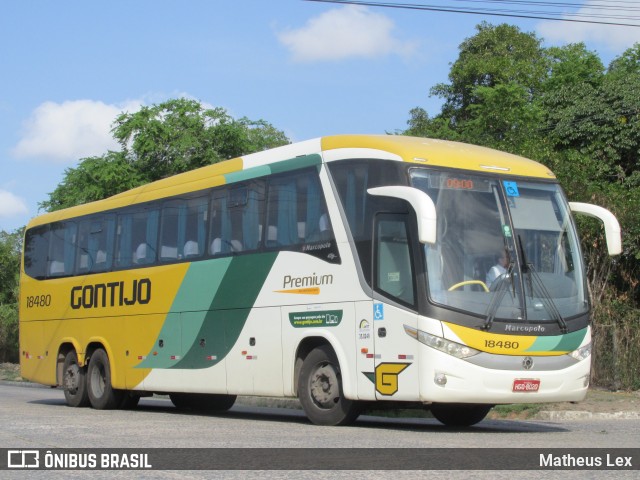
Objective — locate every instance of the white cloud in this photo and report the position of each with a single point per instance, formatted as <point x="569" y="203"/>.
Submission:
<point x="350" y="31"/>
<point x="613" y="37"/>
<point x="11" y="205"/>
<point x="65" y="132"/>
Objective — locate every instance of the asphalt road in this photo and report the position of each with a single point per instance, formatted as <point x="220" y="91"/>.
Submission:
<point x="39" y="418"/>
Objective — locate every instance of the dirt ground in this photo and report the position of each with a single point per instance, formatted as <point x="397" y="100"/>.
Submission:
<point x="602" y="401"/>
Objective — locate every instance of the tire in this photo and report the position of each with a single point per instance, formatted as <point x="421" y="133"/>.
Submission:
<point x="101" y="394"/>
<point x="202" y="401"/>
<point x="320" y="390"/>
<point x="74" y="381"/>
<point x="129" y="401"/>
<point x="459" y="414"/>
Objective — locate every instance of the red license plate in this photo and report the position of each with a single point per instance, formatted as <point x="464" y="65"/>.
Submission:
<point x="526" y="385"/>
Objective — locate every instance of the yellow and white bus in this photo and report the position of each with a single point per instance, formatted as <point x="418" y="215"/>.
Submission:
<point x="344" y="270"/>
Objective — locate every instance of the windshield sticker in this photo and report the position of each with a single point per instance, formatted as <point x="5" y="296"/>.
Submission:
<point x="506" y="231"/>
<point x="511" y="188"/>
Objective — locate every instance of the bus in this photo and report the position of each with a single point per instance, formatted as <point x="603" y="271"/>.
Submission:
<point x="348" y="271"/>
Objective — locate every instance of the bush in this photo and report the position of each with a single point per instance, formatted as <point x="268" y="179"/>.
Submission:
<point x="9" y="349"/>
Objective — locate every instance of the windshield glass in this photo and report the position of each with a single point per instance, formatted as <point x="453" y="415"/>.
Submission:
<point x="504" y="249"/>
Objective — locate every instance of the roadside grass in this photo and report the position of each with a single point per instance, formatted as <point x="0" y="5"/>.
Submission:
<point x="10" y="372"/>
<point x="516" y="410"/>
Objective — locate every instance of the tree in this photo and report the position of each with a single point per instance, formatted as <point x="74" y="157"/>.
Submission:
<point x="560" y="106"/>
<point x="158" y="141"/>
<point x="180" y="135"/>
<point x="93" y="179"/>
<point x="10" y="248"/>
<point x="494" y="82"/>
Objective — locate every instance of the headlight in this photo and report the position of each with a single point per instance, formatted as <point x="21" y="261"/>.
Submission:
<point x="581" y="353"/>
<point x="447" y="346"/>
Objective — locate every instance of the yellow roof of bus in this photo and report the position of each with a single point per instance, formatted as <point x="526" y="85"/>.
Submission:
<point x="428" y="152"/>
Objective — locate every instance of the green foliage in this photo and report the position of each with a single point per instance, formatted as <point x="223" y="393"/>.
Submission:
<point x="159" y="141"/>
<point x="10" y="248"/>
<point x="93" y="179"/>
<point x="497" y="74"/>
<point x="560" y="106"/>
<point x="9" y="333"/>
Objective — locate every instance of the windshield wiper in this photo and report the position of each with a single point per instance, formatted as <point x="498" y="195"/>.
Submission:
<point x="498" y="295"/>
<point x="536" y="281"/>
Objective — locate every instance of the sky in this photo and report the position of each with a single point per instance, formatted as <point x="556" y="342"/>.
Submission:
<point x="68" y="68"/>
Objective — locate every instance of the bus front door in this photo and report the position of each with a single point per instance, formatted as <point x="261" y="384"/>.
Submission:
<point x="396" y="375"/>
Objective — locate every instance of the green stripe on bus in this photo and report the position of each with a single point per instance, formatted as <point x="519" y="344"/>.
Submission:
<point x="188" y="311"/>
<point x="558" y="343"/>
<point x="248" y="174"/>
<point x="229" y="310"/>
<point x="198" y="335"/>
<point x="295" y="163"/>
<point x="278" y="167"/>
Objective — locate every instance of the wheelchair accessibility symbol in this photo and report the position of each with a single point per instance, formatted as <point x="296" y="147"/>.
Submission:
<point x="511" y="189"/>
<point x="378" y="311"/>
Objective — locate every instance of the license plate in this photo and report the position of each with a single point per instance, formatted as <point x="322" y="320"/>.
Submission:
<point x="526" y="385"/>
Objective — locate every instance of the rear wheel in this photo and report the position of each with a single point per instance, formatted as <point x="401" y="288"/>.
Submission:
<point x="320" y="390"/>
<point x="101" y="394"/>
<point x="459" y="414"/>
<point x="74" y="381"/>
<point x="202" y="401"/>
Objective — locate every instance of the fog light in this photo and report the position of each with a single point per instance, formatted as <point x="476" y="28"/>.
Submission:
<point x="440" y="379"/>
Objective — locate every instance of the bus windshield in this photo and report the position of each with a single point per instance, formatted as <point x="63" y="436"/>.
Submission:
<point x="505" y="249"/>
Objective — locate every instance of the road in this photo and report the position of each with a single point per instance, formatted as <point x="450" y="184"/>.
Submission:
<point x="39" y="418"/>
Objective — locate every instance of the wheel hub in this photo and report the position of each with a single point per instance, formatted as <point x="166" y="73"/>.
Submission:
<point x="72" y="378"/>
<point x="324" y="387"/>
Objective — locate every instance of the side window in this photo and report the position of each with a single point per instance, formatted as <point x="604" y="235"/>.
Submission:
<point x="282" y="218"/>
<point x="36" y="248"/>
<point x="236" y="218"/>
<point x="296" y="212"/>
<point x="173" y="214"/>
<point x="62" y="239"/>
<point x="195" y="228"/>
<point x="137" y="235"/>
<point x="394" y="273"/>
<point x="96" y="237"/>
<point x="183" y="229"/>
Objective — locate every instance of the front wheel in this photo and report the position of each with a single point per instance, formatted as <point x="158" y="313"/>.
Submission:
<point x="74" y="381"/>
<point x="320" y="390"/>
<point x="101" y="394"/>
<point x="459" y="414"/>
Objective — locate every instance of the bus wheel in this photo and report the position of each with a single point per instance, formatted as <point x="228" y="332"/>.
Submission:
<point x="74" y="381"/>
<point x="320" y="390"/>
<point x="202" y="401"/>
<point x="101" y="394"/>
<point x="459" y="414"/>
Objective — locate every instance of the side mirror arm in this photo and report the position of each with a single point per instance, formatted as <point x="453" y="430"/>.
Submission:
<point x="421" y="204"/>
<point x="611" y="226"/>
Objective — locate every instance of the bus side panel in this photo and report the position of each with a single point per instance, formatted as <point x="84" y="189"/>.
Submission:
<point x="254" y="363"/>
<point x="365" y="366"/>
<point x="138" y="345"/>
<point x="332" y="321"/>
<point x="34" y="363"/>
